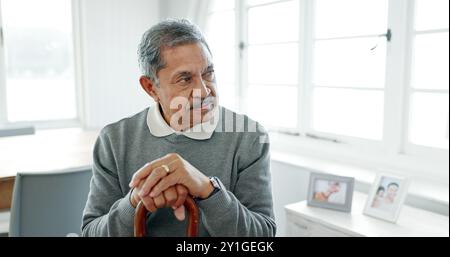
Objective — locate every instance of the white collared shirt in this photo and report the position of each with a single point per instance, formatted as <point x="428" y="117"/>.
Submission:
<point x="159" y="127"/>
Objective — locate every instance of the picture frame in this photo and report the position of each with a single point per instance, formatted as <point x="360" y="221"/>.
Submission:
<point x="330" y="191"/>
<point x="387" y="196"/>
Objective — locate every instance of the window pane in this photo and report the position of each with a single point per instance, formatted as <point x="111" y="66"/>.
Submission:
<point x="40" y="67"/>
<point x="273" y="64"/>
<point x="349" y="63"/>
<point x="226" y="95"/>
<point x="429" y="119"/>
<point x="357" y="113"/>
<point x="273" y="23"/>
<point x="430" y="69"/>
<point x="431" y="14"/>
<point x="273" y="106"/>
<point x="220" y="34"/>
<point x="337" y="18"/>
<point x="220" y="37"/>
<point x="224" y="64"/>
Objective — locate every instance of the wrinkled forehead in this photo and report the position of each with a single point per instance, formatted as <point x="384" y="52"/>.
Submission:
<point x="192" y="54"/>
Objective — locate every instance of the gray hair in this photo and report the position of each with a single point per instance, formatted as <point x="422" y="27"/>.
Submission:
<point x="168" y="33"/>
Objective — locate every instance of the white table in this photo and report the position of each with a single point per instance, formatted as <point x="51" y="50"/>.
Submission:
<point x="303" y="220"/>
<point x="44" y="151"/>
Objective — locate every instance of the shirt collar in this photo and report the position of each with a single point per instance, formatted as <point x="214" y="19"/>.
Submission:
<point x="159" y="127"/>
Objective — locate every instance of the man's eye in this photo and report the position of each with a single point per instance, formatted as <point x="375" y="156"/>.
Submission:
<point x="209" y="75"/>
<point x="185" y="80"/>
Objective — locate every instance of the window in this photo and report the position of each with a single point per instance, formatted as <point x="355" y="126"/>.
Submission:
<point x="363" y="80"/>
<point x="348" y="74"/>
<point x="38" y="61"/>
<point x="429" y="82"/>
<point x="272" y="78"/>
<point x="223" y="46"/>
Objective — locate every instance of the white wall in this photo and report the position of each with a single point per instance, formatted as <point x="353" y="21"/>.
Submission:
<point x="110" y="32"/>
<point x="289" y="185"/>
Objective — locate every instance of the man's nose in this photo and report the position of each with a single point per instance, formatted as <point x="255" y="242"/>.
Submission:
<point x="202" y="89"/>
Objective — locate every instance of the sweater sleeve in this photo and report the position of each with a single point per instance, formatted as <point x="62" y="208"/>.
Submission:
<point x="108" y="210"/>
<point x="248" y="210"/>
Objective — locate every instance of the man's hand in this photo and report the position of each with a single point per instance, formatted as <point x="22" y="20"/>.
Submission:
<point x="173" y="196"/>
<point x="154" y="179"/>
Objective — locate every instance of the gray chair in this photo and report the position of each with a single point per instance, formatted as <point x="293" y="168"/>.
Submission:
<point x="49" y="204"/>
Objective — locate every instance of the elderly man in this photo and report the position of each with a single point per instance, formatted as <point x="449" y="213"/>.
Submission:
<point x="180" y="146"/>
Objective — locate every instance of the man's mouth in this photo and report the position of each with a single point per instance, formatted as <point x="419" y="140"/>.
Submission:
<point x="207" y="106"/>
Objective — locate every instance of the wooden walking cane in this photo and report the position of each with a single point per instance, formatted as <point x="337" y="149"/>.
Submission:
<point x="140" y="219"/>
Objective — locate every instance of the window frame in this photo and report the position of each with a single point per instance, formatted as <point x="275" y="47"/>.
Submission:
<point x="393" y="151"/>
<point x="78" y="80"/>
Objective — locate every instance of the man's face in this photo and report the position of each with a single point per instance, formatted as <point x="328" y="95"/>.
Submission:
<point x="187" y="86"/>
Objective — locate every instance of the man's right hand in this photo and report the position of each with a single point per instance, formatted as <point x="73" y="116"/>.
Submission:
<point x="173" y="196"/>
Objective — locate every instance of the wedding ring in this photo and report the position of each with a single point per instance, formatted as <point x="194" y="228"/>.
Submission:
<point x="166" y="168"/>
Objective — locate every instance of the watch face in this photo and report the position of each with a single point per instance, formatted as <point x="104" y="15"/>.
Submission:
<point x="215" y="183"/>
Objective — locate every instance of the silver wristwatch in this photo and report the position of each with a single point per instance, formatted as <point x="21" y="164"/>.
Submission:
<point x="216" y="185"/>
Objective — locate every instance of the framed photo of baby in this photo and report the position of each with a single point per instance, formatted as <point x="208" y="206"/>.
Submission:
<point x="330" y="191"/>
<point x="386" y="197"/>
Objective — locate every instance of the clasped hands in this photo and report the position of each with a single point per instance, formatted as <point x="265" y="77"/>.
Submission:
<point x="166" y="182"/>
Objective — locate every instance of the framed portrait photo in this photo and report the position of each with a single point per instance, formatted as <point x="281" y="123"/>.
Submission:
<point x="330" y="191"/>
<point x="386" y="197"/>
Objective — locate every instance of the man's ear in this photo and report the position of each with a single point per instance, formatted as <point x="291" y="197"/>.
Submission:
<point x="149" y="87"/>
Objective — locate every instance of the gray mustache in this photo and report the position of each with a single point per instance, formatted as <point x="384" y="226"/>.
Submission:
<point x="208" y="100"/>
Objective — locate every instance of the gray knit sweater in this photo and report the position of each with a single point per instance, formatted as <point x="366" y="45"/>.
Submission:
<point x="239" y="159"/>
